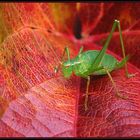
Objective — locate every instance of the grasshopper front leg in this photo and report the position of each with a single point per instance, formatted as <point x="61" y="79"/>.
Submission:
<point x="66" y="50"/>
<point x="87" y="93"/>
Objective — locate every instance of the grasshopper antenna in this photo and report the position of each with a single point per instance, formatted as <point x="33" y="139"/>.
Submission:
<point x="56" y="68"/>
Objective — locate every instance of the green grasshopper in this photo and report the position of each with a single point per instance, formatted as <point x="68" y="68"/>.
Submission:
<point x="95" y="62"/>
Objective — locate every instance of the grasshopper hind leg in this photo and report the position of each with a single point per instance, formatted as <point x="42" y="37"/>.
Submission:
<point x="114" y="85"/>
<point x="128" y="75"/>
<point x="123" y="63"/>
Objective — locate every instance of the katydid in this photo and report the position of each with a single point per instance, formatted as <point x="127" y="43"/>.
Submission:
<point x="95" y="62"/>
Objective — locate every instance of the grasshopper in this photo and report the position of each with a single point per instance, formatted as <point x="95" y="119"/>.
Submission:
<point x="95" y="62"/>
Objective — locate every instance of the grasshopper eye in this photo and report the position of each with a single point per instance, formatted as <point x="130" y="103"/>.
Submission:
<point x="67" y="66"/>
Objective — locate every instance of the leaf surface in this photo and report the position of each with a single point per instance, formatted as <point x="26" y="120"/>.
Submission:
<point x="35" y="101"/>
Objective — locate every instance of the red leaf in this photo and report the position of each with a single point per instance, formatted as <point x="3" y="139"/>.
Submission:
<point x="40" y="104"/>
<point x="108" y="115"/>
<point x="36" y="102"/>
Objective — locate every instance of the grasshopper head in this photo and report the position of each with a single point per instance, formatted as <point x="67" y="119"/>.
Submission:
<point x="67" y="69"/>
